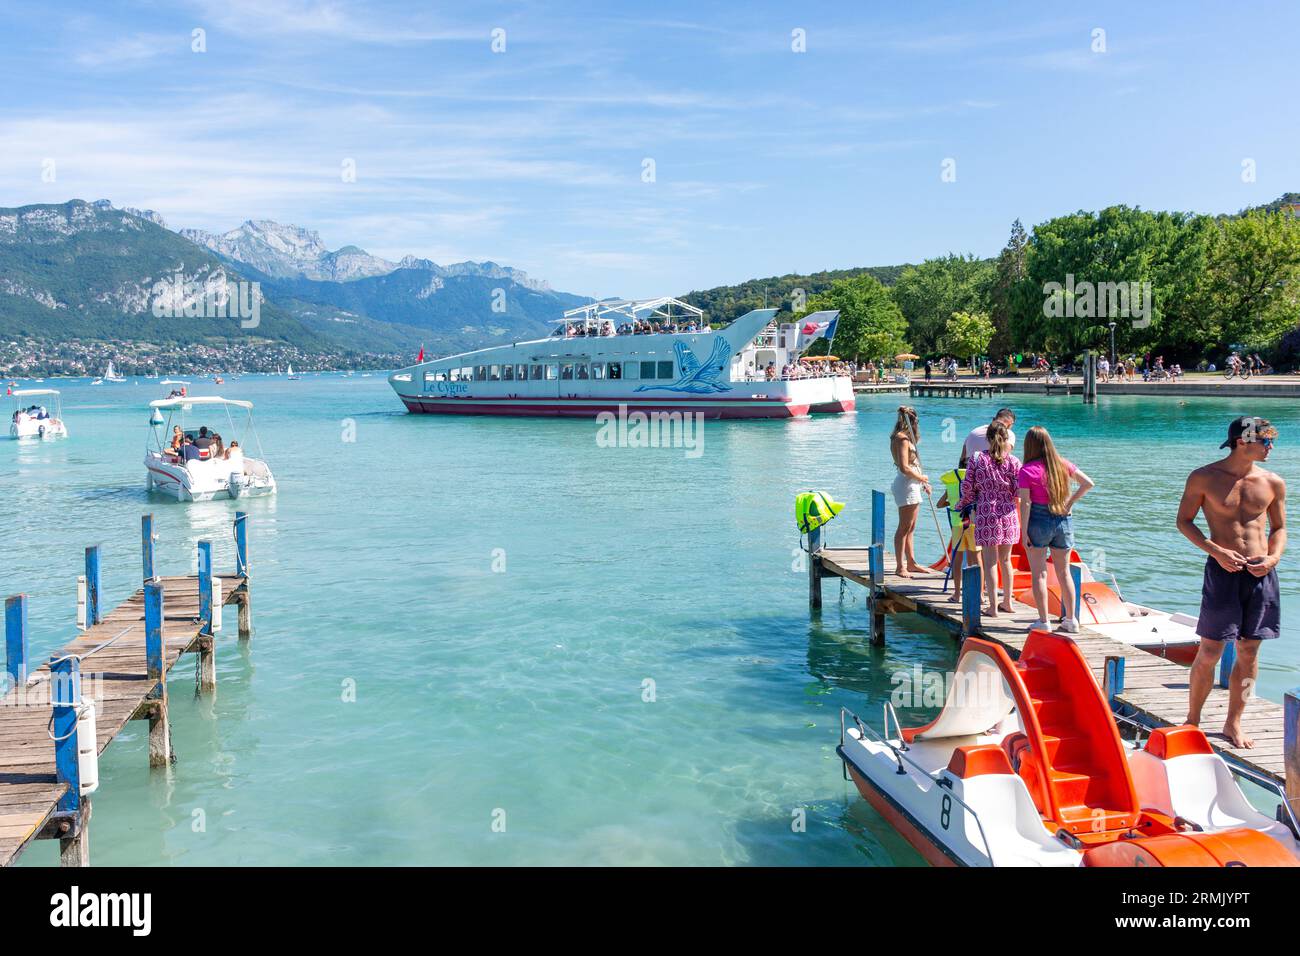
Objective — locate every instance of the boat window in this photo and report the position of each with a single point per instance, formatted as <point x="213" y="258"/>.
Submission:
<point x="494" y="373"/>
<point x="581" y="370"/>
<point x="467" y="374"/>
<point x="666" y="369"/>
<point x="508" y="373"/>
<point x="566" y="371"/>
<point x="647" y="369"/>
<point x="535" y="373"/>
<point x="521" y="372"/>
<point x="435" y="376"/>
<point x="597" y="369"/>
<point x="631" y="370"/>
<point x="552" y="372"/>
<point x="480" y="373"/>
<point x="615" y="370"/>
<point x="454" y="375"/>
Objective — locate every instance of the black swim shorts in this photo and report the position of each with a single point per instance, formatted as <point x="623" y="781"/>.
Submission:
<point x="1237" y="604"/>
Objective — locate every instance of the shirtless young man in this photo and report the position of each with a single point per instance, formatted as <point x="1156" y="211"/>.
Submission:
<point x="1245" y="508"/>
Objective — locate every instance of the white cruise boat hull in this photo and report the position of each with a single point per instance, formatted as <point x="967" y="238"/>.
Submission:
<point x="717" y="374"/>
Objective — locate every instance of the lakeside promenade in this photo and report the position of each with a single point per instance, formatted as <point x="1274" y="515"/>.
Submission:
<point x="1196" y="384"/>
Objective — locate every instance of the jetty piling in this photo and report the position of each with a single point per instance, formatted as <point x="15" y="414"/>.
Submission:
<point x="1143" y="688"/>
<point x="242" y="571"/>
<point x="124" y="655"/>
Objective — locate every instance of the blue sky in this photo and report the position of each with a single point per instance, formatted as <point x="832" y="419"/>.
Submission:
<point x="766" y="160"/>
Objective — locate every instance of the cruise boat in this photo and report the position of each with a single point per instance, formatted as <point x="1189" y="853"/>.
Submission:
<point x="653" y="355"/>
<point x="1025" y="766"/>
<point x="234" y="474"/>
<point x="31" y="419"/>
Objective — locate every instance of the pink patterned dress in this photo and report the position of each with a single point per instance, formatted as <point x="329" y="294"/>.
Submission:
<point x="992" y="487"/>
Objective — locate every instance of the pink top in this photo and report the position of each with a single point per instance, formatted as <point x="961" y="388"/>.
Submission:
<point x="1033" y="476"/>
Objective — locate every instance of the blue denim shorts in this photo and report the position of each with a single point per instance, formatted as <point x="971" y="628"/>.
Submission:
<point x="1046" y="530"/>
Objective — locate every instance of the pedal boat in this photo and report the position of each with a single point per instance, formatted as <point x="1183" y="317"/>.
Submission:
<point x="23" y="425"/>
<point x="1024" y="766"/>
<point x="1102" y="608"/>
<point x="203" y="479"/>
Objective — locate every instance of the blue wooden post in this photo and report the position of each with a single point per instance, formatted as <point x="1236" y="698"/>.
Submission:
<point x="93" y="613"/>
<point x="1226" y="662"/>
<point x="65" y="693"/>
<point x="146" y="545"/>
<point x="1076" y="576"/>
<point x="877" y="517"/>
<point x="1113" y="679"/>
<point x="241" y="544"/>
<point x="971" y="600"/>
<point x="16" y="639"/>
<point x="160" y="753"/>
<point x="205" y="588"/>
<point x="876" y="571"/>
<point x="153" y="631"/>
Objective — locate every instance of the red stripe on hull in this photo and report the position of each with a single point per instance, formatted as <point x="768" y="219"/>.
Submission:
<point x="919" y="841"/>
<point x="591" y="410"/>
<point x="833" y="407"/>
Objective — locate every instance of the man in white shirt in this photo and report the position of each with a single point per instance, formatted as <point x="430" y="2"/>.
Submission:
<point x="977" y="441"/>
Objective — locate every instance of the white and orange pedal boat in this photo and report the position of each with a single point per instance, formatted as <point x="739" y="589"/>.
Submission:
<point x="1025" y="766"/>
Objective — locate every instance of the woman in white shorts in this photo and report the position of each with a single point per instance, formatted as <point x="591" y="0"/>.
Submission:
<point x="910" y="487"/>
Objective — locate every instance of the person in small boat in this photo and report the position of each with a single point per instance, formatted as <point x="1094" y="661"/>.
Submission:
<point x="188" y="451"/>
<point x="233" y="449"/>
<point x="1245" y="509"/>
<point x="990" y="485"/>
<point x="909" y="486"/>
<point x="178" y="439"/>
<point x="1046" y="504"/>
<point x="204" y="443"/>
<point x="217" y="449"/>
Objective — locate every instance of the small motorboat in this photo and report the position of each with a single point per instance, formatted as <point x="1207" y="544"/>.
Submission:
<point x="201" y="472"/>
<point x="1025" y="766"/>
<point x="31" y="419"/>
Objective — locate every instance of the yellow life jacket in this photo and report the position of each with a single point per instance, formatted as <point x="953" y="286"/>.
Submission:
<point x="952" y="484"/>
<point x="812" y="509"/>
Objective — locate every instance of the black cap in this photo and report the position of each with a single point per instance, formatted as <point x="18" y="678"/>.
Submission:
<point x="1239" y="426"/>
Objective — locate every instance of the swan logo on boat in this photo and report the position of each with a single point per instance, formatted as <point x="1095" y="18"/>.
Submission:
<point x="699" y="378"/>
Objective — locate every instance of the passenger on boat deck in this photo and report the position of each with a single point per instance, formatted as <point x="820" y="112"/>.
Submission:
<point x="218" y="448"/>
<point x="771" y="371"/>
<point x="188" y="451"/>
<point x="178" y="439"/>
<point x="234" y="446"/>
<point x="204" y="441"/>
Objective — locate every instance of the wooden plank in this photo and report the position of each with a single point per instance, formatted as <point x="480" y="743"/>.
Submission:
<point x="114" y="675"/>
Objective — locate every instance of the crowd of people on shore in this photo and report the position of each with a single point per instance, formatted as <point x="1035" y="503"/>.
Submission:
<point x="997" y="502"/>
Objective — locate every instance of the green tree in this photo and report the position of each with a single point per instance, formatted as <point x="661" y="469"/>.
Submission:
<point x="1251" y="280"/>
<point x="870" y="323"/>
<point x="931" y="292"/>
<point x="1008" y="274"/>
<point x="967" y="334"/>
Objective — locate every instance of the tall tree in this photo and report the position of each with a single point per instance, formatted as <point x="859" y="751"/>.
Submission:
<point x="870" y="324"/>
<point x="967" y="334"/>
<point x="1251" y="282"/>
<point x="931" y="292"/>
<point x="1008" y="273"/>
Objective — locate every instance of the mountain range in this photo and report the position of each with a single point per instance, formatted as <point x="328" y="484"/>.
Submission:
<point x="88" y="270"/>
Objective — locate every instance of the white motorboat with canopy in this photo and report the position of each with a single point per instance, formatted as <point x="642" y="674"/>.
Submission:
<point x="32" y="419"/>
<point x="206" y="466"/>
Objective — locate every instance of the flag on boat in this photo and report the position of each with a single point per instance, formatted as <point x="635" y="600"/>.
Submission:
<point x="420" y="358"/>
<point x="817" y="326"/>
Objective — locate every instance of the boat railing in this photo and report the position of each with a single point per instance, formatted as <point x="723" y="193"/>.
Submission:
<point x="1236" y="769"/>
<point x="901" y="756"/>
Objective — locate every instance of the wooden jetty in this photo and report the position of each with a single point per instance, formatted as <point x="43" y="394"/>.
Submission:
<point x="121" y="663"/>
<point x="1144" y="689"/>
<point x="953" y="389"/>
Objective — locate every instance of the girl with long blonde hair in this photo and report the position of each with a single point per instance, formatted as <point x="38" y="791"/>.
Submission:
<point x="909" y="486"/>
<point x="1046" y="506"/>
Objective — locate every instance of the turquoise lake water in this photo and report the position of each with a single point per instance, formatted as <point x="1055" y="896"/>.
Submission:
<point x="499" y="591"/>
